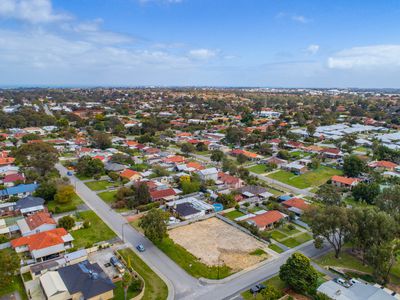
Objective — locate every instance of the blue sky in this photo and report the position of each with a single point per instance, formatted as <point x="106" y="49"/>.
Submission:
<point x="200" y="42"/>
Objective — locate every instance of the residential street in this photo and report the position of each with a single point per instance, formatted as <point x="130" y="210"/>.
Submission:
<point x="181" y="285"/>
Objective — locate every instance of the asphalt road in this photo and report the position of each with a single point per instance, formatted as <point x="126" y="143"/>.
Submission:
<point x="181" y="285"/>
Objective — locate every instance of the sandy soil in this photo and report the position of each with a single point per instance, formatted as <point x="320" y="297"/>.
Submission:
<point x="214" y="241"/>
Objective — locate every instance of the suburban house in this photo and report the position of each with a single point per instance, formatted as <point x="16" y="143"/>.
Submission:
<point x="344" y="182"/>
<point x="78" y="281"/>
<point x="166" y="194"/>
<point x="191" y="207"/>
<point x="295" y="167"/>
<point x="250" y="191"/>
<point x="20" y="190"/>
<point x="176" y="159"/>
<point x="29" y="205"/>
<point x="11" y="179"/>
<point x="248" y="154"/>
<point x="267" y="220"/>
<point x="273" y="160"/>
<point x="44" y="245"/>
<point x="296" y="205"/>
<point x="357" y="290"/>
<point x="208" y="174"/>
<point x="383" y="165"/>
<point x="230" y="181"/>
<point x="35" y="223"/>
<point x="131" y="175"/>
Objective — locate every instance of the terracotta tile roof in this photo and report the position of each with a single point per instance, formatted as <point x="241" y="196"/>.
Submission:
<point x="41" y="240"/>
<point x="228" y="179"/>
<point x="6" y="160"/>
<point x="174" y="159"/>
<point x="38" y="219"/>
<point x="296" y="202"/>
<point x="267" y="218"/>
<point x="128" y="173"/>
<point x="344" y="180"/>
<point x="244" y="152"/>
<point x="131" y="143"/>
<point x="100" y="157"/>
<point x="157" y="195"/>
<point x="383" y="164"/>
<point x="195" y="165"/>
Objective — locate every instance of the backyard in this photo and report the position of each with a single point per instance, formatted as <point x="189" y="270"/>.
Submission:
<point x="258" y="169"/>
<point x="98" y="231"/>
<point x="315" y="177"/>
<point x="155" y="288"/>
<point x="232" y="215"/>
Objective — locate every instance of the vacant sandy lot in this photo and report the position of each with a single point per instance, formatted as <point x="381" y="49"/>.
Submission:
<point x="213" y="241"/>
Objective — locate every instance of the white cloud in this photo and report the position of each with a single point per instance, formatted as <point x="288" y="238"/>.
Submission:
<point x="300" y="19"/>
<point x="366" y="57"/>
<point x="33" y="11"/>
<point x="202" y="54"/>
<point x="312" y="49"/>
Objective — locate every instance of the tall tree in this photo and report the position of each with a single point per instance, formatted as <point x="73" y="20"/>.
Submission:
<point x="353" y="166"/>
<point x="102" y="140"/>
<point x="9" y="264"/>
<point x="154" y="224"/>
<point x="329" y="195"/>
<point x="331" y="223"/>
<point x="389" y="200"/>
<point x="298" y="273"/>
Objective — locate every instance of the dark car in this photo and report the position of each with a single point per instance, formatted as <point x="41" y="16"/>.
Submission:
<point x="257" y="288"/>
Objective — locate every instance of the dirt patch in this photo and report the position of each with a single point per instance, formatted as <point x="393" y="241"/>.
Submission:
<point x="216" y="242"/>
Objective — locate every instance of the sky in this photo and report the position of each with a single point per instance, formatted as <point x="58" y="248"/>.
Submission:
<point x="264" y="43"/>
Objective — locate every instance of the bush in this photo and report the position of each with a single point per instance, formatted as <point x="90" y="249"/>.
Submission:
<point x="237" y="206"/>
<point x="86" y="224"/>
<point x="291" y="227"/>
<point x="149" y="206"/>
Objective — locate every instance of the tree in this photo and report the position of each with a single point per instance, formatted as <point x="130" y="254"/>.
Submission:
<point x="66" y="222"/>
<point x="228" y="165"/>
<point x="389" y="200"/>
<point x="353" y="166"/>
<point x="141" y="195"/>
<point x="227" y="200"/>
<point x="298" y="273"/>
<point x="241" y="158"/>
<point x="370" y="227"/>
<point x="217" y="155"/>
<point x="187" y="148"/>
<point x="126" y="282"/>
<point x="46" y="190"/>
<point x="329" y="195"/>
<point x="64" y="194"/>
<point x="39" y="156"/>
<point x="311" y="129"/>
<point x="102" y="140"/>
<point x="331" y="223"/>
<point x="366" y="192"/>
<point x="315" y="163"/>
<point x="382" y="258"/>
<point x="201" y="147"/>
<point x="154" y="224"/>
<point x="9" y="264"/>
<point x="283" y="154"/>
<point x="234" y="135"/>
<point x="89" y="167"/>
<point x="270" y="293"/>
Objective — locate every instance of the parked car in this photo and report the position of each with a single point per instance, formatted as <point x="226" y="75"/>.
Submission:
<point x="117" y="264"/>
<point x="342" y="282"/>
<point x="257" y="288"/>
<point x="140" y="248"/>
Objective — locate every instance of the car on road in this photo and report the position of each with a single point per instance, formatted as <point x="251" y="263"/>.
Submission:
<point x="69" y="173"/>
<point x="140" y="248"/>
<point x="257" y="288"/>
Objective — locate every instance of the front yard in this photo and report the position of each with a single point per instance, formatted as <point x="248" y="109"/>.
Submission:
<point x="290" y="238"/>
<point x="55" y="207"/>
<point x="315" y="177"/>
<point x="155" y="287"/>
<point x="232" y="215"/>
<point x="258" y="169"/>
<point x="107" y="197"/>
<point x="98" y="231"/>
<point x="101" y="185"/>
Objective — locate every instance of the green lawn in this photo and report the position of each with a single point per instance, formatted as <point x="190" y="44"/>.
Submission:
<point x="82" y="177"/>
<point x="108" y="197"/>
<point x="290" y="242"/>
<point x="100" y="185"/>
<point x="190" y="263"/>
<point x="259" y="169"/>
<point x="233" y="214"/>
<point x="119" y="292"/>
<point x="285" y="229"/>
<point x="155" y="287"/>
<point x="278" y="236"/>
<point x="302" y="238"/>
<point x="97" y="232"/>
<point x="135" y="224"/>
<point x="16" y="286"/>
<point x="345" y="261"/>
<point x="276" y="248"/>
<point x="274" y="281"/>
<point x="54" y="207"/>
<point x="315" y="177"/>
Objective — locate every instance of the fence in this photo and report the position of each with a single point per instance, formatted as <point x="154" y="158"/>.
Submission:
<point x="190" y="221"/>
